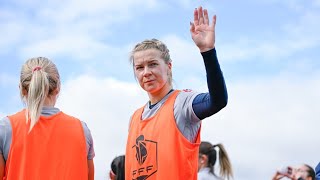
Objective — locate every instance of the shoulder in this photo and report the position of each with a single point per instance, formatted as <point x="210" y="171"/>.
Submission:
<point x="16" y="116"/>
<point x="5" y="131"/>
<point x="202" y="175"/>
<point x="4" y="125"/>
<point x="85" y="126"/>
<point x="186" y="95"/>
<point x="87" y="132"/>
<point x="69" y="119"/>
<point x="184" y="100"/>
<point x="187" y="92"/>
<point x="72" y="121"/>
<point x="67" y="116"/>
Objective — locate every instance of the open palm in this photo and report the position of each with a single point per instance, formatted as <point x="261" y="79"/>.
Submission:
<point x="203" y="34"/>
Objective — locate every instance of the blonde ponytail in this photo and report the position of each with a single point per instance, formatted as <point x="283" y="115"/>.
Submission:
<point x="39" y="78"/>
<point x="224" y="162"/>
<point x="206" y="148"/>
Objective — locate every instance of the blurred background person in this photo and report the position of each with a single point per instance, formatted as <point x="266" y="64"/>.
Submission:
<point x="207" y="160"/>
<point x="117" y="168"/>
<point x="301" y="172"/>
<point x="318" y="172"/>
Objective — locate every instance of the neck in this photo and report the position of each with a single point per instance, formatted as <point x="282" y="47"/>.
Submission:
<point x="49" y="101"/>
<point x="157" y="96"/>
<point x="203" y="166"/>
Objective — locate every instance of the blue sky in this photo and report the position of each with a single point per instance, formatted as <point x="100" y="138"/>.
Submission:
<point x="268" y="51"/>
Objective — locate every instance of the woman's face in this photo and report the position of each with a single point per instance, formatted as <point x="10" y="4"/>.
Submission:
<point x="302" y="172"/>
<point x="151" y="70"/>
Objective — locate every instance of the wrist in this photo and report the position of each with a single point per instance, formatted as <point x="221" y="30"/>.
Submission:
<point x="206" y="49"/>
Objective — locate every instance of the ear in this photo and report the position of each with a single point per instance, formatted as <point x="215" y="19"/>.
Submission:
<point x="203" y="158"/>
<point x="23" y="91"/>
<point x="56" y="91"/>
<point x="111" y="175"/>
<point x="170" y="65"/>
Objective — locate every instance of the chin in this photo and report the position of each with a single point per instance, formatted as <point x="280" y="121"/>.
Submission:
<point x="152" y="90"/>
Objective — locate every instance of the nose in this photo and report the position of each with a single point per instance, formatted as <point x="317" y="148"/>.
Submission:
<point x="146" y="71"/>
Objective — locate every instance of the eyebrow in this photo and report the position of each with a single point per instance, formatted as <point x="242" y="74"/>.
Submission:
<point x="148" y="61"/>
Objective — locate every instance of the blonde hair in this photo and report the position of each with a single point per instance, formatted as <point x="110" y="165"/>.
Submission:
<point x="153" y="44"/>
<point x="38" y="79"/>
<point x="208" y="149"/>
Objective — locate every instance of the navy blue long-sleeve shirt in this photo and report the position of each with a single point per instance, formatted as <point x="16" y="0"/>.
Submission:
<point x="207" y="104"/>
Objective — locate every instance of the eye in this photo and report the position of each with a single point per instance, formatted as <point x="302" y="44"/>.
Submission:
<point x="153" y="64"/>
<point x="138" y="68"/>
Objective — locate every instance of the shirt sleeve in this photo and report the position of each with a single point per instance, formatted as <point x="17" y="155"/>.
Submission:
<point x="207" y="104"/>
<point x="187" y="121"/>
<point x="89" y="141"/>
<point x="318" y="171"/>
<point x="5" y="137"/>
<point x="2" y="135"/>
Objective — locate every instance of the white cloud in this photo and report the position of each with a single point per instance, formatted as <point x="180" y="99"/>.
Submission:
<point x="11" y="33"/>
<point x="178" y="48"/>
<point x="66" y="26"/>
<point x="292" y="38"/>
<point x="78" y="47"/>
<point x="295" y="5"/>
<point x="185" y="3"/>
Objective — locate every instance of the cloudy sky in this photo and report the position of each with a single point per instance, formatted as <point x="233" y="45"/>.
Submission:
<point x="268" y="51"/>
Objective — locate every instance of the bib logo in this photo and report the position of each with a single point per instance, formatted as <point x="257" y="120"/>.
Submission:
<point x="146" y="156"/>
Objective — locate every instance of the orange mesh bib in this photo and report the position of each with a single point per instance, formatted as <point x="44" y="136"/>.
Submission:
<point x="54" y="149"/>
<point x="156" y="149"/>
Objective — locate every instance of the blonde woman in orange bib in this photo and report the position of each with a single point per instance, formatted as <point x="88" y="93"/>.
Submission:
<point x="164" y="134"/>
<point x="41" y="142"/>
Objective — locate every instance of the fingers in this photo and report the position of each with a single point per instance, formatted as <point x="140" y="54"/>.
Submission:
<point x="201" y="16"/>
<point x="196" y="17"/>
<point x="200" y="12"/>
<point x="192" y="28"/>
<point x="206" y="17"/>
<point x="214" y="20"/>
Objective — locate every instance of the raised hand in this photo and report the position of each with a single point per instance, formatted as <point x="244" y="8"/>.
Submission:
<point x="203" y="34"/>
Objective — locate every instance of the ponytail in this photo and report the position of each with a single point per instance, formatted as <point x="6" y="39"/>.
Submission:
<point x="209" y="150"/>
<point x="38" y="91"/>
<point x="38" y="79"/>
<point x="224" y="162"/>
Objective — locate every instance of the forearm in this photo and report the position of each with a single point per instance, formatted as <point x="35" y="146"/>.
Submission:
<point x="90" y="170"/>
<point x="207" y="104"/>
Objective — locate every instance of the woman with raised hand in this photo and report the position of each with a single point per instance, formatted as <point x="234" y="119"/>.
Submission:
<point x="41" y="142"/>
<point x="164" y="134"/>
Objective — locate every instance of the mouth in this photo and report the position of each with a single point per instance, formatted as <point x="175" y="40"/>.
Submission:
<point x="148" y="81"/>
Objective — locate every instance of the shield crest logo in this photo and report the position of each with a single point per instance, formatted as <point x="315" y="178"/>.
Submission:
<point x="146" y="156"/>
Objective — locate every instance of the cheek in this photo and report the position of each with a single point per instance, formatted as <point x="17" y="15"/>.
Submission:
<point x="165" y="73"/>
<point x="138" y="76"/>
